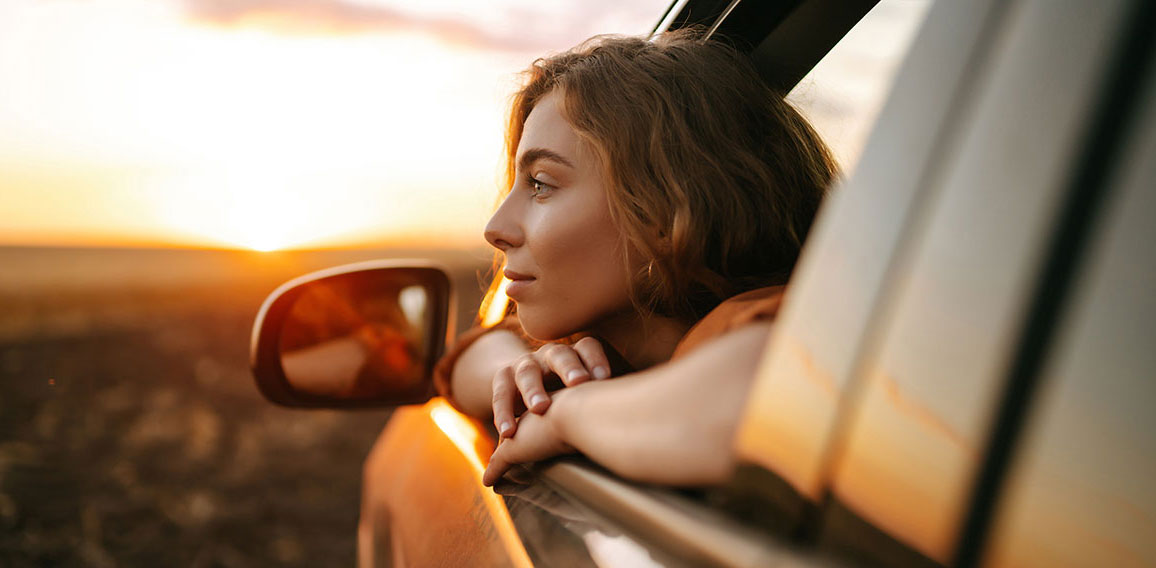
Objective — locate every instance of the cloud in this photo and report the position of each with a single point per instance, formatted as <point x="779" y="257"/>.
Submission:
<point x="492" y="27"/>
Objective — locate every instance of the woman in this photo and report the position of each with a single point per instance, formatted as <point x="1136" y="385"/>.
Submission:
<point x="659" y="194"/>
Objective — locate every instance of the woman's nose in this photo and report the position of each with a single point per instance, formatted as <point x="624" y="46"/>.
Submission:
<point x="503" y="231"/>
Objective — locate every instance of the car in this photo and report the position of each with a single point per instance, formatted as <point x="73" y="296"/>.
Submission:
<point x="961" y="374"/>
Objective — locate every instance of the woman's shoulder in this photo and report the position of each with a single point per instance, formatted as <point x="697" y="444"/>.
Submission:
<point x="760" y="304"/>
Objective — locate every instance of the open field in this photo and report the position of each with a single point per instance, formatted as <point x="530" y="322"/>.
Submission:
<point x="131" y="433"/>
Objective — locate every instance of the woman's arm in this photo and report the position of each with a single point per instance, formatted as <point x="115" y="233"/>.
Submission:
<point x="672" y="424"/>
<point x="474" y="370"/>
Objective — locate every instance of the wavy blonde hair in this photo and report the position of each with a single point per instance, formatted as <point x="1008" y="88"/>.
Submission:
<point x="710" y="174"/>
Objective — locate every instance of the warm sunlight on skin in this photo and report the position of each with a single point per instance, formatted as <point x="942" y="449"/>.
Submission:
<point x="494" y="307"/>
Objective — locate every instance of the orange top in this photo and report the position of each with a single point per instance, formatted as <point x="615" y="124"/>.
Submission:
<point x="760" y="304"/>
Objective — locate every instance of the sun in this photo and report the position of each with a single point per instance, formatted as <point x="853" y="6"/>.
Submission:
<point x="252" y="209"/>
<point x="263" y="219"/>
<point x="261" y="244"/>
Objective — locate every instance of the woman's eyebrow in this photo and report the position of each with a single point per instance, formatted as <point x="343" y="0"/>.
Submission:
<point x="534" y="154"/>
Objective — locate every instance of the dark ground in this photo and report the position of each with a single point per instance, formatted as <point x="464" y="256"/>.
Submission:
<point x="131" y="433"/>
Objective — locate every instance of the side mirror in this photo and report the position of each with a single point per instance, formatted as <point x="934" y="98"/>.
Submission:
<point x="359" y="335"/>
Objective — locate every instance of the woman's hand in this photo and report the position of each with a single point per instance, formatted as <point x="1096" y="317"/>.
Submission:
<point x="539" y="437"/>
<point x="655" y="426"/>
<point x="521" y="384"/>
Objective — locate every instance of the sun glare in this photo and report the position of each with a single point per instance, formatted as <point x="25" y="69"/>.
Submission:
<point x="131" y="121"/>
<point x="256" y="140"/>
<point x="255" y="210"/>
<point x="261" y="245"/>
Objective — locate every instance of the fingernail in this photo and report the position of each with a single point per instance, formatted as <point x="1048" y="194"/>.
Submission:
<point x="538" y="400"/>
<point x="504" y="427"/>
<point x="575" y="375"/>
<point x="601" y="372"/>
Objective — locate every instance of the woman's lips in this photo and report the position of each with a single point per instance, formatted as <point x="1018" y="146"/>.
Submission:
<point x="518" y="283"/>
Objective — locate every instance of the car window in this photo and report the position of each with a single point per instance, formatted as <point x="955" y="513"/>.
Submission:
<point x="844" y="93"/>
<point x="842" y="96"/>
<point x="844" y="269"/>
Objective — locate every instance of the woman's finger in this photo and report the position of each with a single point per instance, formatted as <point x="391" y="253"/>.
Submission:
<point x="564" y="362"/>
<point x="536" y="441"/>
<point x="497" y="467"/>
<point x="504" y="394"/>
<point x="593" y="357"/>
<point x="528" y="377"/>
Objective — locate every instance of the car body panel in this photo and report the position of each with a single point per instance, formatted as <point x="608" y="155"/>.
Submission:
<point x="423" y="502"/>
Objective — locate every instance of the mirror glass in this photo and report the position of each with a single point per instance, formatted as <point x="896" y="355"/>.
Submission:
<point x="358" y="336"/>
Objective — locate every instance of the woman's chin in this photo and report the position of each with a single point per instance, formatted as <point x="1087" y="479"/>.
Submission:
<point x="539" y="329"/>
<point x="543" y="335"/>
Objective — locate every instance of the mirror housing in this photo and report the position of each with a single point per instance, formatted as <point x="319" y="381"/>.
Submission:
<point x="354" y="336"/>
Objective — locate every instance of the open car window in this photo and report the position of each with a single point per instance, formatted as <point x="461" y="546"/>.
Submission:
<point x="843" y="94"/>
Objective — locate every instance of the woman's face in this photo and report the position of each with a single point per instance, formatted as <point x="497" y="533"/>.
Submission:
<point x="564" y="255"/>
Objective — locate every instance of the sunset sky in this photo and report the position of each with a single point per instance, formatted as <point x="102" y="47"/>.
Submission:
<point x="282" y="123"/>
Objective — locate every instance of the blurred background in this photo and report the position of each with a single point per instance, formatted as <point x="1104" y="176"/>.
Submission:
<point x="164" y="164"/>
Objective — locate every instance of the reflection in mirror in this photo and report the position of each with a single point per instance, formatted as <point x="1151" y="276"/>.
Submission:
<point x="356" y="337"/>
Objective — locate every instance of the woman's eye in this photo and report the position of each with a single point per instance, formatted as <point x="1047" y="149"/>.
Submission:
<point x="539" y="188"/>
